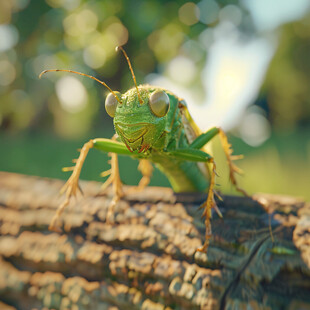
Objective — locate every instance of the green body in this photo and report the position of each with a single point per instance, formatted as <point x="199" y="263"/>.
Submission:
<point x="184" y="176"/>
<point x="165" y="141"/>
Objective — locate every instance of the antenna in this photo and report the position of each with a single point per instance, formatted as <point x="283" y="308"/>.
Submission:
<point x="130" y="67"/>
<point x="83" y="74"/>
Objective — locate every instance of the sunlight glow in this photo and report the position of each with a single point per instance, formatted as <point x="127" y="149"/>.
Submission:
<point x="268" y="15"/>
<point x="71" y="94"/>
<point x="233" y="77"/>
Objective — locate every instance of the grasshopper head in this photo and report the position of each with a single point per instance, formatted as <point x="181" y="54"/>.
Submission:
<point x="139" y="120"/>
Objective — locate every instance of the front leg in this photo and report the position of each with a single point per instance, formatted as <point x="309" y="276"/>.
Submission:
<point x="71" y="188"/>
<point x="72" y="185"/>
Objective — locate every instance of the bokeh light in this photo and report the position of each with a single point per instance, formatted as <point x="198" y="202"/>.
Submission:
<point x="182" y="70"/>
<point x="209" y="11"/>
<point x="231" y="13"/>
<point x="80" y="23"/>
<point x="189" y="13"/>
<point x="9" y="37"/>
<point x="7" y="72"/>
<point x="254" y="127"/>
<point x="165" y="42"/>
<point x="71" y="94"/>
<point x="94" y="56"/>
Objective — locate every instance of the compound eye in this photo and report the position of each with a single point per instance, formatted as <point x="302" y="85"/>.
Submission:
<point x="111" y="103"/>
<point x="159" y="103"/>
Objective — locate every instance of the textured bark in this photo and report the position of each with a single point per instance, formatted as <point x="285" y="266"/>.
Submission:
<point x="259" y="256"/>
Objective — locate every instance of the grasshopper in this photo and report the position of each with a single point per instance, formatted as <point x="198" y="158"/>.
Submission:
<point x="154" y="126"/>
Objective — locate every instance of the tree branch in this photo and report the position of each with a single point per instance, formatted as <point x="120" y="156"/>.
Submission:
<point x="259" y="254"/>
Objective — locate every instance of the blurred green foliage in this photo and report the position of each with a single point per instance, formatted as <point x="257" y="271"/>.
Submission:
<point x="287" y="82"/>
<point x="37" y="120"/>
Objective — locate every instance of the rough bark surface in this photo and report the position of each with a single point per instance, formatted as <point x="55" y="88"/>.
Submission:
<point x="259" y="256"/>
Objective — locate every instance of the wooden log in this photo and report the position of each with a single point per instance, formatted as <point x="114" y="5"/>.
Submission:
<point x="259" y="255"/>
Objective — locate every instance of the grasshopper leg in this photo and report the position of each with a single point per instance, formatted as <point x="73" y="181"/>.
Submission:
<point x="116" y="182"/>
<point x="208" y="205"/>
<point x="233" y="168"/>
<point x="146" y="168"/>
<point x="71" y="188"/>
<point x="201" y="156"/>
<point x="204" y="138"/>
<point x="117" y="185"/>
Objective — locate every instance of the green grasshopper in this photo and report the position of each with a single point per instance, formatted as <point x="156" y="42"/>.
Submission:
<point x="153" y="125"/>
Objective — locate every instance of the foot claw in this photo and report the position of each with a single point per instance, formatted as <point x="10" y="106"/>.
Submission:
<point x="203" y="249"/>
<point x="111" y="209"/>
<point x="54" y="228"/>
